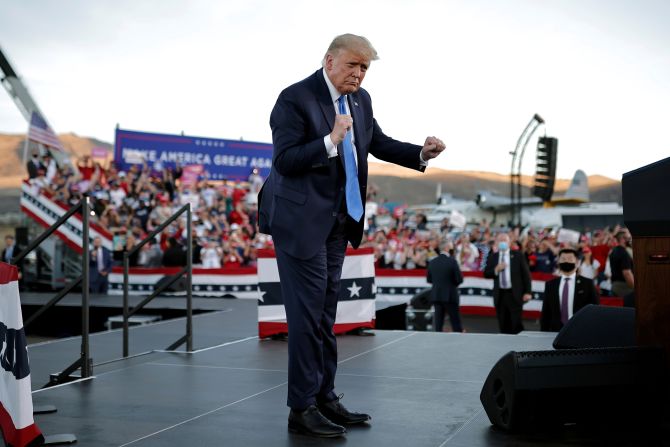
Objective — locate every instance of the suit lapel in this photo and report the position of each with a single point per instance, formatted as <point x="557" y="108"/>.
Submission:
<point x="575" y="298"/>
<point x="557" y="294"/>
<point x="324" y="100"/>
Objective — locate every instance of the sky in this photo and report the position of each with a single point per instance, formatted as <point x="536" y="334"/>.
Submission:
<point x="471" y="72"/>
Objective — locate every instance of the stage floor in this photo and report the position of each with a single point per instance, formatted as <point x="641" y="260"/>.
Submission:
<point x="422" y="388"/>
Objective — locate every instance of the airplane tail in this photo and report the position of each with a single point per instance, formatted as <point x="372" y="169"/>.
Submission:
<point x="579" y="187"/>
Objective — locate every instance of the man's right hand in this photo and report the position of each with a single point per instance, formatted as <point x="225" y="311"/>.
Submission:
<point x="500" y="267"/>
<point x="342" y="124"/>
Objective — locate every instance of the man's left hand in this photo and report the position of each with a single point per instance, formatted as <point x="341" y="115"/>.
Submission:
<point x="432" y="148"/>
<point x="527" y="297"/>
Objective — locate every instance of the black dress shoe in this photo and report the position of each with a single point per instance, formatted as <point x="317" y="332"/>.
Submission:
<point x="336" y="412"/>
<point x="312" y="422"/>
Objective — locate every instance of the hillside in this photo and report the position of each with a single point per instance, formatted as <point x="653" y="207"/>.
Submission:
<point x="12" y="169"/>
<point x="397" y="184"/>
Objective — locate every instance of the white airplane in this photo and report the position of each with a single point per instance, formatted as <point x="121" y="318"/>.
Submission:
<point x="571" y="210"/>
<point x="577" y="193"/>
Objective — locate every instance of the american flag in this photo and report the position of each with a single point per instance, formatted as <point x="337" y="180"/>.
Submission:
<point x="40" y="132"/>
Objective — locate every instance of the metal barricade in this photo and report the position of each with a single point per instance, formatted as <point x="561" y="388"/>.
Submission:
<point x="188" y="271"/>
<point x="84" y="361"/>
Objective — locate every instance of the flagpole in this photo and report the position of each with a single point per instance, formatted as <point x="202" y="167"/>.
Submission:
<point x="25" y="148"/>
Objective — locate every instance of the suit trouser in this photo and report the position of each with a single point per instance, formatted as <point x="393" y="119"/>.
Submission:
<point x="98" y="282"/>
<point x="453" y="309"/>
<point x="508" y="311"/>
<point x="310" y="289"/>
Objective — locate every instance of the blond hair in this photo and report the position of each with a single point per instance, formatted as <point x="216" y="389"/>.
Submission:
<point x="354" y="43"/>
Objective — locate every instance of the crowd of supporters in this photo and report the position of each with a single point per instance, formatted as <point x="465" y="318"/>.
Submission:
<point x="132" y="204"/>
<point x="408" y="243"/>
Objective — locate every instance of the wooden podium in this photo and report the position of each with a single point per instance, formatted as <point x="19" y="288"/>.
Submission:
<point x="646" y="195"/>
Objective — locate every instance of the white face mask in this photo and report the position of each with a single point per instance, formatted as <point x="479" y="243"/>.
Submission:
<point x="503" y="246"/>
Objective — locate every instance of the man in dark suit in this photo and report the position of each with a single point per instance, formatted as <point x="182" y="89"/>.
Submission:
<point x="10" y="251"/>
<point x="312" y="204"/>
<point x="511" y="284"/>
<point x="566" y="295"/>
<point x="445" y="276"/>
<point x="100" y="266"/>
<point x="34" y="165"/>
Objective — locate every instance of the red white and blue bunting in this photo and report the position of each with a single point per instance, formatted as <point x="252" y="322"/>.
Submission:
<point x="356" y="303"/>
<point x="16" y="402"/>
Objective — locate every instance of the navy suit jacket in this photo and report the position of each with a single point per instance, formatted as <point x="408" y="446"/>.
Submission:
<point x="519" y="274"/>
<point x="445" y="276"/>
<point x="106" y="261"/>
<point x="585" y="294"/>
<point x="301" y="198"/>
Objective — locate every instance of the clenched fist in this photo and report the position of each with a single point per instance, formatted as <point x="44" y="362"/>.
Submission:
<point x="432" y="148"/>
<point x="342" y="124"/>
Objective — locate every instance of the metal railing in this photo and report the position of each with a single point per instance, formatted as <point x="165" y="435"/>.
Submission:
<point x="188" y="270"/>
<point x="84" y="361"/>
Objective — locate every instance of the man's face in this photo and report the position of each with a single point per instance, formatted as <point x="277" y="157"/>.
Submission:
<point x="9" y="241"/>
<point x="97" y="242"/>
<point x="346" y="70"/>
<point x="567" y="257"/>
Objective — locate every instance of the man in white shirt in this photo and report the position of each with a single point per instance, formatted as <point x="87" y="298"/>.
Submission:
<point x="511" y="284"/>
<point x="100" y="265"/>
<point x="566" y="295"/>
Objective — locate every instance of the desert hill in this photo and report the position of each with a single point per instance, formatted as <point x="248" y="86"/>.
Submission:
<point x="12" y="170"/>
<point x="399" y="184"/>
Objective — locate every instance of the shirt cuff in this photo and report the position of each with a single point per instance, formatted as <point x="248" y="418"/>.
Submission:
<point x="422" y="162"/>
<point x="331" y="149"/>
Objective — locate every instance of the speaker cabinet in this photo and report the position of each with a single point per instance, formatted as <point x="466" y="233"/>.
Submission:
<point x="598" y="327"/>
<point x="528" y="390"/>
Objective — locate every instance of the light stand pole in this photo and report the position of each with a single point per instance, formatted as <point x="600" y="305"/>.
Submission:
<point x="515" y="171"/>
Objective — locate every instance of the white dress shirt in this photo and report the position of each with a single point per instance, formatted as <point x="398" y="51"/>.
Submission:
<point x="335" y="95"/>
<point x="100" y="259"/>
<point x="571" y="291"/>
<point x="331" y="148"/>
<point x="504" y="257"/>
<point x="9" y="253"/>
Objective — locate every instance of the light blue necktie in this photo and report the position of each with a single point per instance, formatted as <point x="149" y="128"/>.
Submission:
<point x="353" y="191"/>
<point x="503" y="274"/>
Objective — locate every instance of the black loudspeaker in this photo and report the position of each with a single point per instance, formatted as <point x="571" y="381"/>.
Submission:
<point x="545" y="171"/>
<point x="643" y="190"/>
<point x="534" y="390"/>
<point x="421" y="300"/>
<point x="598" y="327"/>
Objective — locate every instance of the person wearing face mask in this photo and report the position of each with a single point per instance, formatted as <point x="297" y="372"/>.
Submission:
<point x="566" y="295"/>
<point x="511" y="284"/>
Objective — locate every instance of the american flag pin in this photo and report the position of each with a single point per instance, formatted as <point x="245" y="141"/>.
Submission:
<point x="355" y="103"/>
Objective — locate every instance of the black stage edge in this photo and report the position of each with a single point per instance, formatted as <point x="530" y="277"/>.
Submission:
<point x="421" y="388"/>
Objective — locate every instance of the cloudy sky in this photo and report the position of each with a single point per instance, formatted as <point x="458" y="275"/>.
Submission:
<point x="471" y="72"/>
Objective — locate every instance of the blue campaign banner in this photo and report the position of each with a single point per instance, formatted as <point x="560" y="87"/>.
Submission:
<point x="222" y="159"/>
